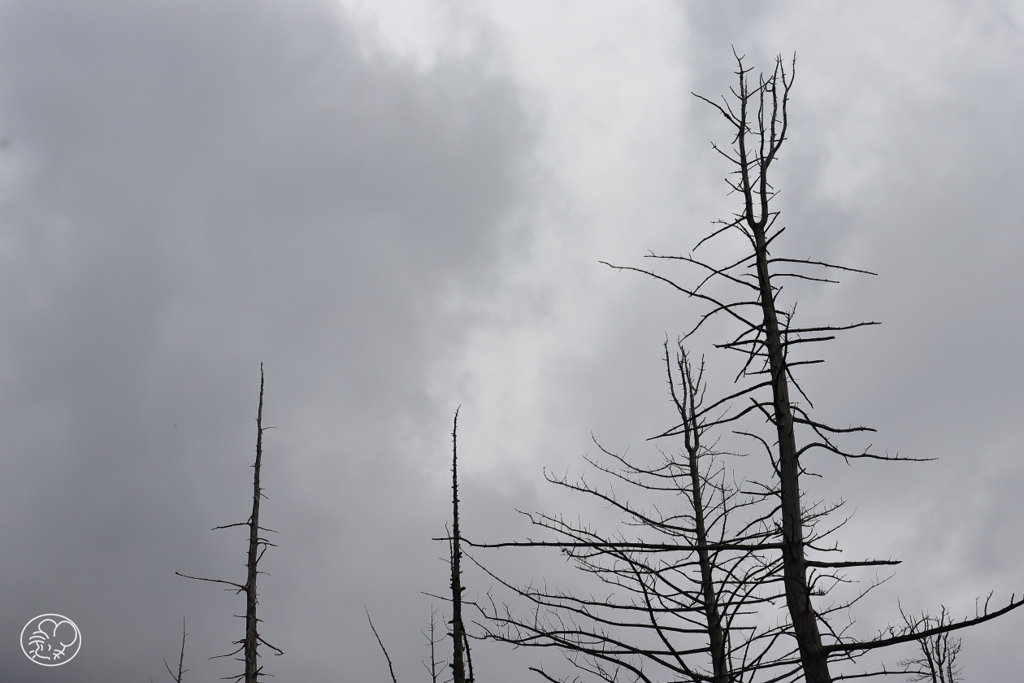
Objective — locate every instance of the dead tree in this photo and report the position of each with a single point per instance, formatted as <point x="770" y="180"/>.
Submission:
<point x="936" y="662"/>
<point x="435" y="668"/>
<point x="178" y="677"/>
<point x="686" y="591"/>
<point x="748" y="291"/>
<point x="462" y="662"/>
<point x="248" y="646"/>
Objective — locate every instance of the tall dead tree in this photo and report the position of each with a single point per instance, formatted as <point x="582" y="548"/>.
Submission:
<point x="687" y="588"/>
<point x="248" y="646"/>
<point x="462" y="662"/>
<point x="747" y="290"/>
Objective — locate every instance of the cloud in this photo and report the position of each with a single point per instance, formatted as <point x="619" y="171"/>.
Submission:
<point x="192" y="188"/>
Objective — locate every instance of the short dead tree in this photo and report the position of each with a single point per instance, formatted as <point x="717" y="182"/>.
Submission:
<point x="685" y="579"/>
<point x="179" y="676"/>
<point x="936" y="662"/>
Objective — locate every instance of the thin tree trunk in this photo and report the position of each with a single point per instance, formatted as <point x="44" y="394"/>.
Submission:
<point x="716" y="635"/>
<point x="249" y="643"/>
<point x="251" y="633"/>
<point x="459" y="649"/>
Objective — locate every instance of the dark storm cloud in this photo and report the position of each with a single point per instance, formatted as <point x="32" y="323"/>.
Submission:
<point x="191" y="188"/>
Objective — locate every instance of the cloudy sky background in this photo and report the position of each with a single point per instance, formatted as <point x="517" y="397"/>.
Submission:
<point x="399" y="207"/>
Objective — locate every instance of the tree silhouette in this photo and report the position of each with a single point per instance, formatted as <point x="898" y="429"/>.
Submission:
<point x="747" y="291"/>
<point x="936" y="662"/>
<point x="717" y="579"/>
<point x="435" y="668"/>
<point x="178" y="677"/>
<point x="461" y="661"/>
<point x="248" y="646"/>
<point x="685" y="590"/>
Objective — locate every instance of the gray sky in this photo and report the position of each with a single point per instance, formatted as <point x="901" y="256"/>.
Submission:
<point x="399" y="208"/>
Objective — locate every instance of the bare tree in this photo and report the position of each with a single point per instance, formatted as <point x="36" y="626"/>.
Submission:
<point x="177" y="677"/>
<point x="687" y="590"/>
<point x="936" y="662"/>
<point x="748" y="292"/>
<point x="250" y="642"/>
<point x="462" y="661"/>
<point x="435" y="668"/>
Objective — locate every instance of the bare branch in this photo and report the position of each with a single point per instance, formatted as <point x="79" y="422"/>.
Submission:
<point x="381" y="643"/>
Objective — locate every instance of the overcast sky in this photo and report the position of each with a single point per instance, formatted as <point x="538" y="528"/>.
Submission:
<point x="398" y="206"/>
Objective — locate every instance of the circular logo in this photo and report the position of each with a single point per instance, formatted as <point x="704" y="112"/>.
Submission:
<point x="50" y="640"/>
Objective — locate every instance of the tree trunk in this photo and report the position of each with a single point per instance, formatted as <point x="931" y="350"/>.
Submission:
<point x="251" y="634"/>
<point x="716" y="635"/>
<point x="798" y="598"/>
<point x="459" y="651"/>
